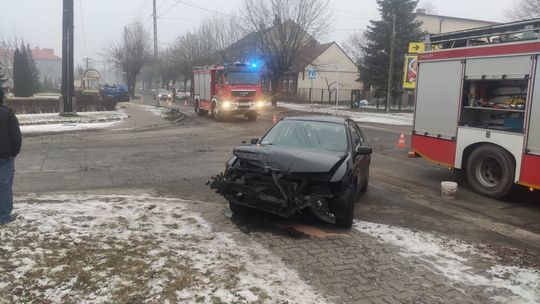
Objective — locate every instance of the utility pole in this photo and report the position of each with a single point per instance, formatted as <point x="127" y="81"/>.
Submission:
<point x="391" y="64"/>
<point x="67" y="57"/>
<point x="156" y="69"/>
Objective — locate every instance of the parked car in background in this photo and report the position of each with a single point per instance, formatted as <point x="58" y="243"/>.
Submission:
<point x="164" y="95"/>
<point x="114" y="92"/>
<point x="319" y="163"/>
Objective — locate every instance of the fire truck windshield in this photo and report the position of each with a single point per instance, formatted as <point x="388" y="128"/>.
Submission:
<point x="233" y="78"/>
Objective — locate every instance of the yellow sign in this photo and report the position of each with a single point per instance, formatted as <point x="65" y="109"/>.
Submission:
<point x="416" y="47"/>
<point x="410" y="71"/>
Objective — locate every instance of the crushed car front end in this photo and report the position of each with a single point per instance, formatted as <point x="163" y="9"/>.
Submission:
<point x="284" y="181"/>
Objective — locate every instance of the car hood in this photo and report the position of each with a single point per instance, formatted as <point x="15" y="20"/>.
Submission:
<point x="290" y="160"/>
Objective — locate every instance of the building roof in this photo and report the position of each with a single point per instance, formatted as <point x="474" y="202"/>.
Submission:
<point x="37" y="54"/>
<point x="44" y="54"/>
<point x="307" y="55"/>
<point x="455" y="18"/>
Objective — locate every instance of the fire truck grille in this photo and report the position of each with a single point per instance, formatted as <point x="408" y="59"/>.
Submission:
<point x="243" y="93"/>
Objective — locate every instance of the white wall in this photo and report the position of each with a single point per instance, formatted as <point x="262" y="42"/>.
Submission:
<point x="325" y="65"/>
<point x="440" y="24"/>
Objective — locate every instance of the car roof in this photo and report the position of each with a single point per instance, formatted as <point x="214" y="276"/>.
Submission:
<point x="320" y="118"/>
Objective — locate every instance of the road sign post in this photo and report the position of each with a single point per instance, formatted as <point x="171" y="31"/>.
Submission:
<point x="312" y="75"/>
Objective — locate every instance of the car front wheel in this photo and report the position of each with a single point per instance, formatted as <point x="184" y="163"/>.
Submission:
<point x="344" y="208"/>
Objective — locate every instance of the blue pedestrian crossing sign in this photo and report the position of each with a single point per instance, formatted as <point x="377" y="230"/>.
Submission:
<point x="312" y="74"/>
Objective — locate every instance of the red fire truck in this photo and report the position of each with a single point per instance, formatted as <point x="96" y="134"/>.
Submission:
<point x="227" y="90"/>
<point x="478" y="106"/>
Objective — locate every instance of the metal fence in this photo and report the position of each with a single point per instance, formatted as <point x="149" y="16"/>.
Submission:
<point x="325" y="96"/>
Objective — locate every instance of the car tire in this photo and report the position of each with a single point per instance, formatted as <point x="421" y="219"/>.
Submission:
<point x="237" y="208"/>
<point x="366" y="183"/>
<point x="251" y="116"/>
<point x="344" y="209"/>
<point x="490" y="171"/>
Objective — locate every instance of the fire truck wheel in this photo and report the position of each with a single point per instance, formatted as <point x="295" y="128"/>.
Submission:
<point x="214" y="111"/>
<point x="490" y="171"/>
<point x="198" y="110"/>
<point x="251" y="116"/>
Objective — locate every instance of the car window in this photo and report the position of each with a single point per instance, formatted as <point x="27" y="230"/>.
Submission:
<point x="308" y="134"/>
<point x="357" y="136"/>
<point x="360" y="134"/>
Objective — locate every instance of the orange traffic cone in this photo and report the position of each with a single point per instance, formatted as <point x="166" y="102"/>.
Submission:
<point x="274" y="119"/>
<point x="401" y="143"/>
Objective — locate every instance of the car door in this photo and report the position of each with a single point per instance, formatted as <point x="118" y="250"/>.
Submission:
<point x="366" y="159"/>
<point x="361" y="162"/>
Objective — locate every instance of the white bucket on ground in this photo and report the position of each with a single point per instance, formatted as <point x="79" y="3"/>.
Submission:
<point x="448" y="190"/>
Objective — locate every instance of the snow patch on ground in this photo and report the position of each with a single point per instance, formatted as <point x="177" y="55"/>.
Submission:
<point x="55" y="128"/>
<point x="119" y="249"/>
<point x="451" y="258"/>
<point x="53" y="122"/>
<point x="80" y="118"/>
<point x="400" y="119"/>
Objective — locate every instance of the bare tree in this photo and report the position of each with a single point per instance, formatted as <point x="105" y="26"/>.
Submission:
<point x="284" y="27"/>
<point x="193" y="49"/>
<point x="168" y="67"/>
<point x="226" y="30"/>
<point x="354" y="44"/>
<point x="428" y="6"/>
<point x="131" y="53"/>
<point x="524" y="9"/>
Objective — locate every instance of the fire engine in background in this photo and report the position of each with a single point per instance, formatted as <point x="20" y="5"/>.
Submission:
<point x="228" y="90"/>
<point x="478" y="106"/>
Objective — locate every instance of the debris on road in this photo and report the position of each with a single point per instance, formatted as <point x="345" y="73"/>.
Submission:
<point x="121" y="249"/>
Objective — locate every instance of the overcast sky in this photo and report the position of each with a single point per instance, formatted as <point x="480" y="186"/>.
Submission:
<point x="98" y="22"/>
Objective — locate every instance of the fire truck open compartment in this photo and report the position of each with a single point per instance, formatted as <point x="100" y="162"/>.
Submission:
<point x="478" y="106"/>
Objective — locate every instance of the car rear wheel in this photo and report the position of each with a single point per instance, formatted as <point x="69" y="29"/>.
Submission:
<point x="366" y="182"/>
<point x="236" y="208"/>
<point x="344" y="208"/>
<point x="490" y="171"/>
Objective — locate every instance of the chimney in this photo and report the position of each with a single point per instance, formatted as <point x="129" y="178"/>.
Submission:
<point x="277" y="20"/>
<point x="421" y="11"/>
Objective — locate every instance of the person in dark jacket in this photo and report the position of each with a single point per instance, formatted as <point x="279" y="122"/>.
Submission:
<point x="10" y="146"/>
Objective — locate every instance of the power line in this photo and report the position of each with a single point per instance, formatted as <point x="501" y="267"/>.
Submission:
<point x="140" y="11"/>
<point x="170" y="8"/>
<point x="83" y="29"/>
<point x="205" y="9"/>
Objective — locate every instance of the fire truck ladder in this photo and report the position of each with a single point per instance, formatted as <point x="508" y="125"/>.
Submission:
<point x="501" y="33"/>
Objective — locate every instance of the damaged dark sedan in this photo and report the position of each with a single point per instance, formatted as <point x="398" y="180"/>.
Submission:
<point x="319" y="163"/>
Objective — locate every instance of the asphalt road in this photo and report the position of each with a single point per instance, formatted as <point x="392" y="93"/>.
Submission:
<point x="177" y="157"/>
<point x="180" y="158"/>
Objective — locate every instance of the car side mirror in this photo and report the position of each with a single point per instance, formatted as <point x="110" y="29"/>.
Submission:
<point x="254" y="141"/>
<point x="363" y="150"/>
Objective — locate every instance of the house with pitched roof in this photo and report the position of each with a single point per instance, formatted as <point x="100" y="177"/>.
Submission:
<point x="333" y="69"/>
<point x="48" y="64"/>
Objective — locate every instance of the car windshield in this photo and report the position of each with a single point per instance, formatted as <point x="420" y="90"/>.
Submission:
<point x="308" y="134"/>
<point x="163" y="92"/>
<point x="242" y="78"/>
